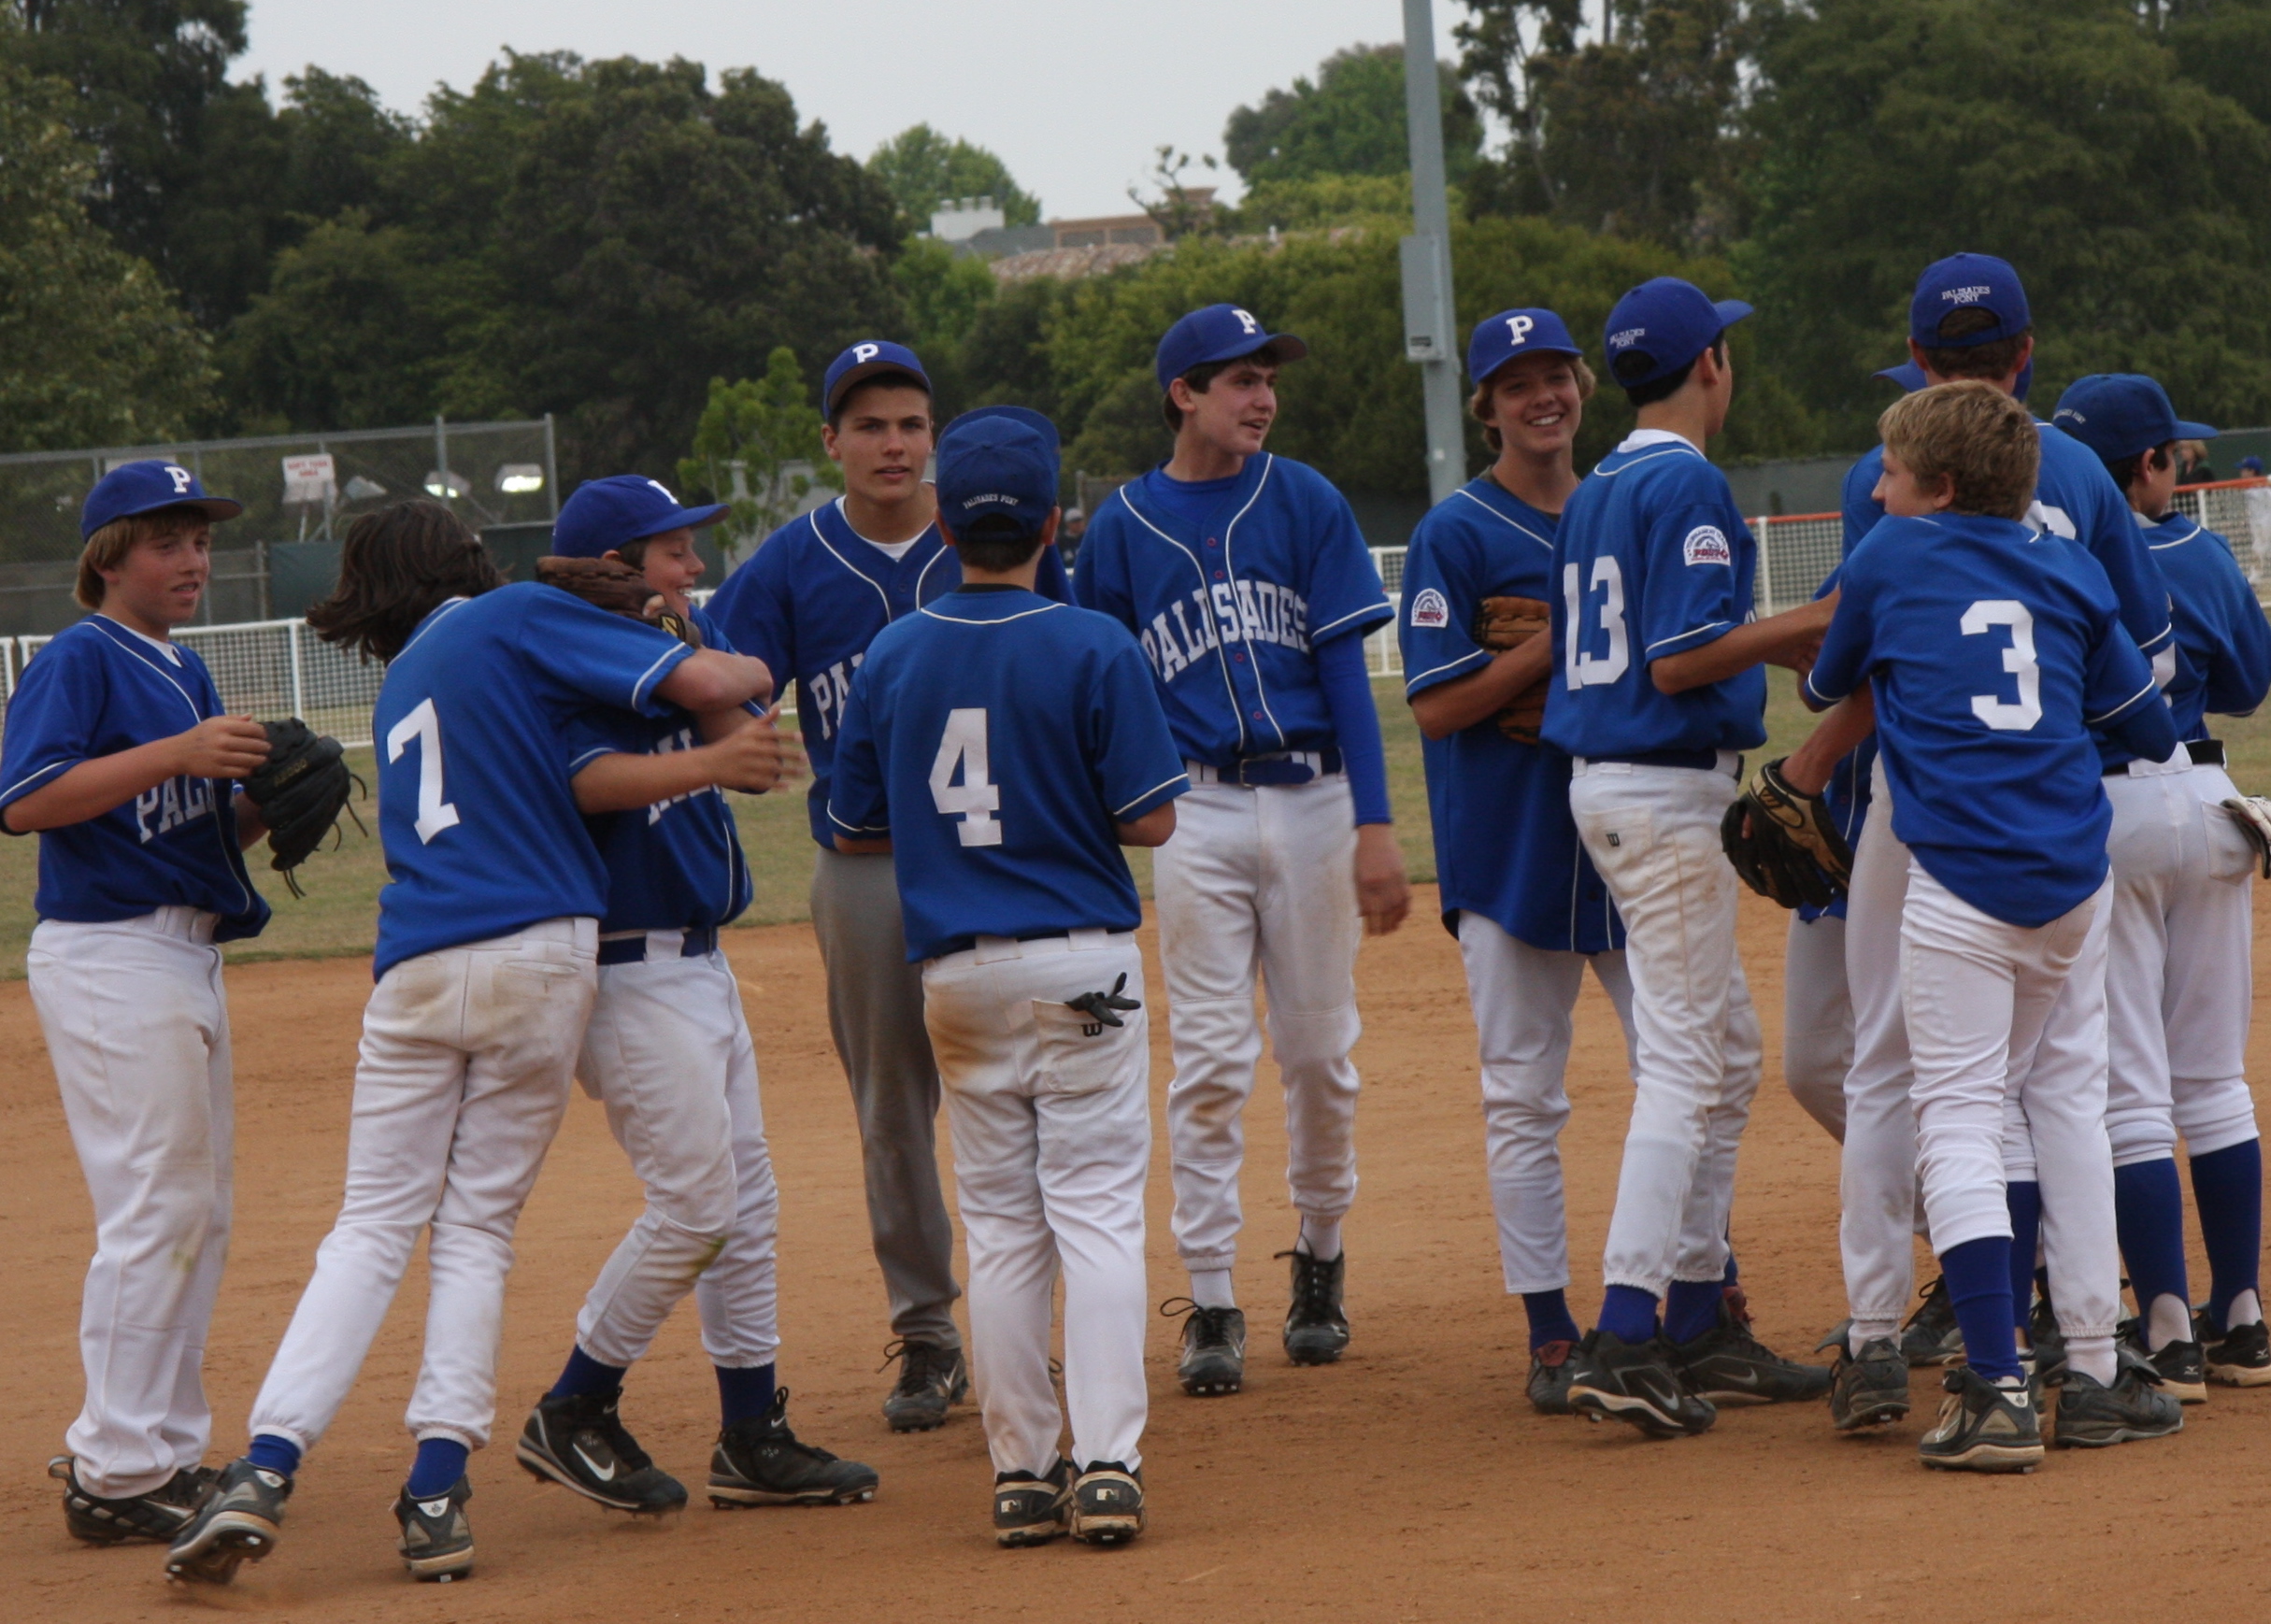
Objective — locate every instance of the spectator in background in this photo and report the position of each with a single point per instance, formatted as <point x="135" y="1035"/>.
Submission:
<point x="1069" y="538"/>
<point x="2193" y="463"/>
<point x="2257" y="499"/>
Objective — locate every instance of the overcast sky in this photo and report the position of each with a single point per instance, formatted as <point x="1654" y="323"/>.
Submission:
<point x="1074" y="94"/>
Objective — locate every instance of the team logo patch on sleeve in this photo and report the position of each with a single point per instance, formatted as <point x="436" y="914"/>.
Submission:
<point x="1708" y="544"/>
<point x="1429" y="612"/>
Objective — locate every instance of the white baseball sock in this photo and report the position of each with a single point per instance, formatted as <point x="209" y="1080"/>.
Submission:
<point x="2169" y="1320"/>
<point x="1321" y="1237"/>
<point x="1211" y="1289"/>
<point x="2094" y="1357"/>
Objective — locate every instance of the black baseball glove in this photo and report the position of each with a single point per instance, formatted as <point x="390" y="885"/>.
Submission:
<point x="301" y="790"/>
<point x="1783" y="845"/>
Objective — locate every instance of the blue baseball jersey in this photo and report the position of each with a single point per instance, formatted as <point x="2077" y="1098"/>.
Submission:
<point x="811" y="600"/>
<point x="2223" y="644"/>
<point x="1992" y="650"/>
<point x="480" y="825"/>
<point x="996" y="737"/>
<point x="1506" y="846"/>
<point x="1229" y="601"/>
<point x="677" y="864"/>
<point x="1651" y="559"/>
<point x="95" y="689"/>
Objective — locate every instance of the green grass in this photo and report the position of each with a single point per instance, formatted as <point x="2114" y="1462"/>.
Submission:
<point x="339" y="915"/>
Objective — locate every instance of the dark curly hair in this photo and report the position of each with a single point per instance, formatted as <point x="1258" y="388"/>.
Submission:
<point x="397" y="566"/>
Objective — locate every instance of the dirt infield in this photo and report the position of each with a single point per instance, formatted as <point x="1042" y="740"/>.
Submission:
<point x="1409" y="1481"/>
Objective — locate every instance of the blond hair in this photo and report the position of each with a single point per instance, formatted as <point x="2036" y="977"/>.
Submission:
<point x="1972" y="433"/>
<point x="1479" y="403"/>
<point x="107" y="548"/>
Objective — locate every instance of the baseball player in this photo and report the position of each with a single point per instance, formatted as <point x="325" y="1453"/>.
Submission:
<point x="1993" y="650"/>
<point x="1519" y="893"/>
<point x="485" y="967"/>
<point x="668" y="1053"/>
<point x="119" y="753"/>
<point x="1245" y="579"/>
<point x="1969" y="319"/>
<point x="809" y="603"/>
<point x="2179" y="983"/>
<point x="1001" y="747"/>
<point x="1659" y="691"/>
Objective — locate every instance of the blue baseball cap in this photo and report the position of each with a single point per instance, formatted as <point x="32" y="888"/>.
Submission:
<point x="998" y="462"/>
<point x="145" y="487"/>
<point x="1498" y="339"/>
<point x="1967" y="282"/>
<point x="1910" y="376"/>
<point x="2118" y="414"/>
<point x="604" y="514"/>
<point x="2252" y="466"/>
<point x="1219" y="333"/>
<point x="863" y="361"/>
<point x="1666" y="322"/>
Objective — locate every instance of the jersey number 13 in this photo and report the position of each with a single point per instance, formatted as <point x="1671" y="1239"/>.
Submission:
<point x="963" y="747"/>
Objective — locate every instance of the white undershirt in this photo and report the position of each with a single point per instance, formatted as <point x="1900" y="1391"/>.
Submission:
<point x="1643" y="437"/>
<point x="160" y="644"/>
<point x="893" y="551"/>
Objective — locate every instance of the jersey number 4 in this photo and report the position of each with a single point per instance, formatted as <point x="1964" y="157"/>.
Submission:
<point x="1593" y="669"/>
<point x="424" y="728"/>
<point x="975" y="800"/>
<point x="2018" y="660"/>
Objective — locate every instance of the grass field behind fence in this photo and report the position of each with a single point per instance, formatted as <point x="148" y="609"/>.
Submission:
<point x="337" y="917"/>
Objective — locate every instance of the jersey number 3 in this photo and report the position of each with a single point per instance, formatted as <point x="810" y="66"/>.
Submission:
<point x="2018" y="660"/>
<point x="424" y="728"/>
<point x="977" y="798"/>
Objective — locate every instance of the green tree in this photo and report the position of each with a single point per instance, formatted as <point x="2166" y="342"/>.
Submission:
<point x="1349" y="122"/>
<point x="2062" y="135"/>
<point x="758" y="445"/>
<point x="920" y="166"/>
<point x="93" y="348"/>
<point x="1324" y="201"/>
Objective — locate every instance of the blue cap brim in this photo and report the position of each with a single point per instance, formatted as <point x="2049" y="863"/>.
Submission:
<point x="856" y="376"/>
<point x="1910" y="376"/>
<point x="1569" y="349"/>
<point x="1282" y="347"/>
<point x="684" y="519"/>
<point x="1730" y="311"/>
<point x="2194" y="431"/>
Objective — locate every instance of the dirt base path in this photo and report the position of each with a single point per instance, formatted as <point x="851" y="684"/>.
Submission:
<point x="1410" y="1481"/>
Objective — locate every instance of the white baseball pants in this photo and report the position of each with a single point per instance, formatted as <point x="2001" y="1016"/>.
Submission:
<point x="1052" y="1119"/>
<point x="668" y="1053"/>
<point x="1259" y="877"/>
<point x="1653" y="835"/>
<point x="137" y="1028"/>
<point x="2179" y="986"/>
<point x="1524" y="998"/>
<point x="466" y="1060"/>
<point x="1878" y="1166"/>
<point x="1975" y="991"/>
<point x="1816" y="1020"/>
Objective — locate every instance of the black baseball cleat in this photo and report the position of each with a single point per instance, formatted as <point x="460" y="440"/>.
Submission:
<point x="2240" y="1357"/>
<point x="2046" y="1349"/>
<point x="1030" y="1510"/>
<point x="1727" y="1365"/>
<point x="578" y="1442"/>
<point x="1213" y="1361"/>
<point x="151" y="1517"/>
<point x="1932" y="1335"/>
<point x="437" y="1543"/>
<point x="1107" y="1504"/>
<point x="1550" y="1367"/>
<point x="235" y="1521"/>
<point x="1869" y="1388"/>
<point x="1983" y="1427"/>
<point x="2181" y="1366"/>
<point x="933" y="1379"/>
<point x="2135" y="1408"/>
<point x="1635" y="1382"/>
<point x="761" y="1463"/>
<point x="1315" y="1330"/>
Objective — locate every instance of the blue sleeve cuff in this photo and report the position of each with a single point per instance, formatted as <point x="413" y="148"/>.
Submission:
<point x="1356" y="723"/>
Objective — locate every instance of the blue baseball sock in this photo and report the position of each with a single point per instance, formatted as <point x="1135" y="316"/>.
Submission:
<point x="585" y="1374"/>
<point x="1734" y="1276"/>
<point x="1628" y="1313"/>
<point x="441" y="1462"/>
<point x="2149" y="1217"/>
<point x="1691" y="1307"/>
<point x="271" y="1453"/>
<point x="1549" y="1317"/>
<point x="745" y="1395"/>
<point x="2025" y="1203"/>
<point x="2228" y="1187"/>
<point x="1979" y="1289"/>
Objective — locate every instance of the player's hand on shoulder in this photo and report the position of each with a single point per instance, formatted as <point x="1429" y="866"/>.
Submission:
<point x="1383" y="895"/>
<point x="221" y="746"/>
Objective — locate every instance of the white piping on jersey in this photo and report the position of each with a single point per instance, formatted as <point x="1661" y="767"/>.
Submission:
<point x="675" y="652"/>
<point x="1155" y="789"/>
<point x="1682" y="449"/>
<point x="856" y="828"/>
<point x="433" y="620"/>
<point x="2149" y="689"/>
<point x="1230" y="568"/>
<point x="1316" y="632"/>
<point x="1502" y="519"/>
<point x="1222" y="660"/>
<point x="2197" y="529"/>
<point x="822" y="537"/>
<point x="957" y="620"/>
<point x="1449" y="665"/>
<point x="924" y="574"/>
<point x="1683" y="636"/>
<point x="577" y="763"/>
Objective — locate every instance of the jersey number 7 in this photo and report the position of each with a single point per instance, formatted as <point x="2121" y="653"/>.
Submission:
<point x="423" y="727"/>
<point x="977" y="798"/>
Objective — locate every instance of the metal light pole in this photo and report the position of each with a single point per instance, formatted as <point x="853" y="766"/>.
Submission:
<point x="1431" y="332"/>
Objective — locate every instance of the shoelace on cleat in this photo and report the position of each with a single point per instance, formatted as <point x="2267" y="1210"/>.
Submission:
<point x="922" y="1365"/>
<point x="1206" y="1328"/>
<point x="603" y="1419"/>
<point x="1312" y="1286"/>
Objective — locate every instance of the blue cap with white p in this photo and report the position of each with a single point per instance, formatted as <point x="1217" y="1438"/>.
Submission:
<point x="1498" y="339"/>
<point x="1221" y="333"/>
<point x="1661" y="326"/>
<point x="870" y="358"/>
<point x="604" y="514"/>
<point x="1967" y="282"/>
<point x="144" y="487"/>
<point x="997" y="473"/>
<point x="2118" y="414"/>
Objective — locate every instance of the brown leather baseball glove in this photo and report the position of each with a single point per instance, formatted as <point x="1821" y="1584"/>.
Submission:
<point x="1503" y="623"/>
